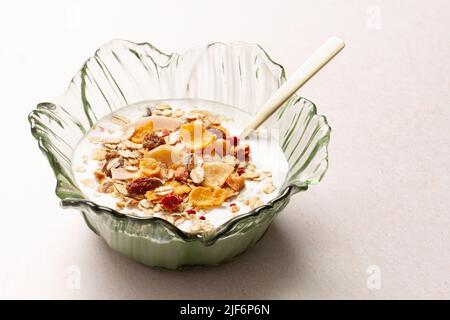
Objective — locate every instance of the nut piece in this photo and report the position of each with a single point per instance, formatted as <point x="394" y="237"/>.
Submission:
<point x="197" y="175"/>
<point x="181" y="174"/>
<point x="173" y="138"/>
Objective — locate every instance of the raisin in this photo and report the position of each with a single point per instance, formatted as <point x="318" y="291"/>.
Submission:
<point x="152" y="140"/>
<point x="181" y="174"/>
<point x="170" y="202"/>
<point x="142" y="185"/>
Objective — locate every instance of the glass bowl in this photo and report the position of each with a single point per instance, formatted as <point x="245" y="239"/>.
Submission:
<point x="122" y="73"/>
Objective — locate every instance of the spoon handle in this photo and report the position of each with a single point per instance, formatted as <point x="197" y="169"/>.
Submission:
<point x="306" y="71"/>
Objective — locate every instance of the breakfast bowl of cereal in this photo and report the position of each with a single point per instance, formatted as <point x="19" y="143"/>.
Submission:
<point x="146" y="146"/>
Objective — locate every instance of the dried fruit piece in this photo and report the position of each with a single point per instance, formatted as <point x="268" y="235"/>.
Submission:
<point x="179" y="188"/>
<point x="195" y="136"/>
<point x="230" y="193"/>
<point x="204" y="197"/>
<point x="181" y="174"/>
<point x="100" y="176"/>
<point x="235" y="182"/>
<point x="142" y="185"/>
<point x="149" y="167"/>
<point x="152" y="140"/>
<point x="170" y="202"/>
<point x="216" y="173"/>
<point x="141" y="131"/>
<point x="151" y="196"/>
<point x="166" y="154"/>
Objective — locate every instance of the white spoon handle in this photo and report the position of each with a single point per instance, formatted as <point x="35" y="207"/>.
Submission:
<point x="308" y="69"/>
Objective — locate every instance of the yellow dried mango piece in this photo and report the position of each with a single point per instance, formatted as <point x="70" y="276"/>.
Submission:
<point x="195" y="136"/>
<point x="236" y="182"/>
<point x="151" y="196"/>
<point x="216" y="173"/>
<point x="141" y="131"/>
<point x="149" y="167"/>
<point x="204" y="197"/>
<point x="178" y="187"/>
<point x="165" y="154"/>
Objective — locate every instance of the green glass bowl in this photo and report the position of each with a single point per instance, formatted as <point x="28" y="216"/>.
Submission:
<point x="122" y="73"/>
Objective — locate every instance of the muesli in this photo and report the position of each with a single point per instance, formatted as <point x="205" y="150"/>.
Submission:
<point x="173" y="164"/>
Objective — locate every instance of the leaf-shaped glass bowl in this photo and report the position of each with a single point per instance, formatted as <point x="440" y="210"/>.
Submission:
<point x="121" y="73"/>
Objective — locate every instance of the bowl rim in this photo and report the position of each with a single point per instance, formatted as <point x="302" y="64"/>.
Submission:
<point x="208" y="238"/>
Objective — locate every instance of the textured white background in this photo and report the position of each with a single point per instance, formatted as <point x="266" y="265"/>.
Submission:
<point x="384" y="201"/>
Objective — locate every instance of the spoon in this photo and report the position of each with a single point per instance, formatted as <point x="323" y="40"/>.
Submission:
<point x="307" y="70"/>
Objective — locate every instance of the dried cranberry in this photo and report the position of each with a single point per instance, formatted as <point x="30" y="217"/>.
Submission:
<point x="170" y="202"/>
<point x="191" y="211"/>
<point x="232" y="204"/>
<point x="152" y="140"/>
<point x="240" y="171"/>
<point x="202" y="218"/>
<point x="142" y="185"/>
